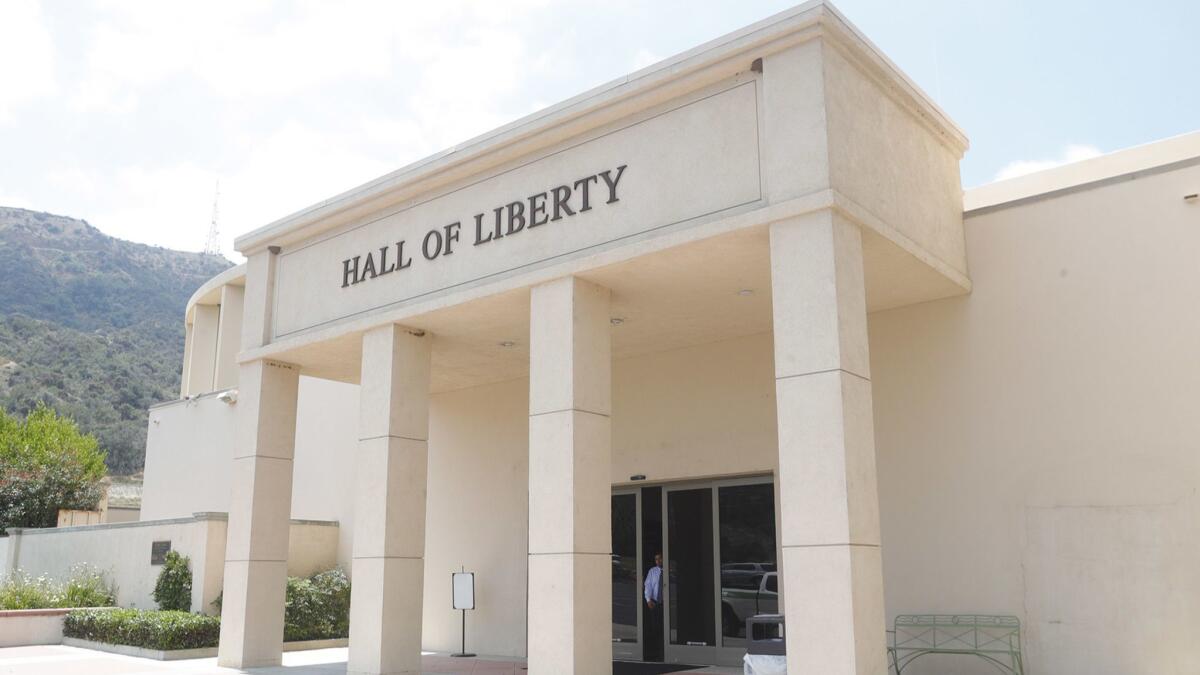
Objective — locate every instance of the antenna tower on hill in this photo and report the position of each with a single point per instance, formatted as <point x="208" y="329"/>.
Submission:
<point x="212" y="246"/>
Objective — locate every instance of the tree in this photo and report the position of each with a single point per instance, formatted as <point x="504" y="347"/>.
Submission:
<point x="46" y="464"/>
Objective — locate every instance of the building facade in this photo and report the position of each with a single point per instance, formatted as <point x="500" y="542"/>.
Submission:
<point x="733" y="309"/>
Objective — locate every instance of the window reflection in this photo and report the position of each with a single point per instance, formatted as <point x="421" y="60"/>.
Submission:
<point x="690" y="567"/>
<point x="625" y="595"/>
<point x="749" y="578"/>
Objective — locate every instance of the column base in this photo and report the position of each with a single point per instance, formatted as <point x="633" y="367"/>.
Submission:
<point x="570" y="614"/>
<point x="385" y="616"/>
<point x="251" y="626"/>
<point x="834" y="614"/>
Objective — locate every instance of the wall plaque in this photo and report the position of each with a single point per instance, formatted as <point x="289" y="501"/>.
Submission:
<point x="158" y="552"/>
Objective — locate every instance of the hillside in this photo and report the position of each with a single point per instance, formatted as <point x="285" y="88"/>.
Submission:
<point x="92" y="325"/>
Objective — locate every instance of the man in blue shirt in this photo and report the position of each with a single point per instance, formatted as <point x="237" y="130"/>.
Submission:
<point x="652" y="591"/>
<point x="653" y="585"/>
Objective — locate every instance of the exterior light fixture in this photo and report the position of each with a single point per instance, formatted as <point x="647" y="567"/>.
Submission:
<point x="616" y="321"/>
<point x="638" y="476"/>
<point x="746" y="291"/>
<point x="507" y="343"/>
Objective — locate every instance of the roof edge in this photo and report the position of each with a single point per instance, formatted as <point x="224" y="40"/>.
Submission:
<point x="233" y="275"/>
<point x="1075" y="175"/>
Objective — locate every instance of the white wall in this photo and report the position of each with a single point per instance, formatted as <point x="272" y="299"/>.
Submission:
<point x="323" y="473"/>
<point x="1039" y="441"/>
<point x="189" y="450"/>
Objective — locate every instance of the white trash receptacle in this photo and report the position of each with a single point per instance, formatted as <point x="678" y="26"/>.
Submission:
<point x="764" y="664"/>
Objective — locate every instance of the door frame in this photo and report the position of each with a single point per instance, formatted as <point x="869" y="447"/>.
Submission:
<point x="633" y="651"/>
<point x="716" y="654"/>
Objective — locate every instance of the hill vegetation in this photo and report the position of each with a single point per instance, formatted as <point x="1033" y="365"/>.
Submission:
<point x="92" y="326"/>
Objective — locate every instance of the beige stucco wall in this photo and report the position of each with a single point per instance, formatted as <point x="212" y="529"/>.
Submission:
<point x="476" y="516"/>
<point x="188" y="453"/>
<point x="882" y="156"/>
<point x="690" y="413"/>
<point x="1037" y="440"/>
<point x="696" y="412"/>
<point x="122" y="552"/>
<point x="322" y="476"/>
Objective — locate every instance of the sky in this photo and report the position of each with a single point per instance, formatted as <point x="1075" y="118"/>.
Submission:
<point x="137" y="116"/>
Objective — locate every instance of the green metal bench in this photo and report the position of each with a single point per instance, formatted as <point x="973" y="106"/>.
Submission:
<point x="996" y="639"/>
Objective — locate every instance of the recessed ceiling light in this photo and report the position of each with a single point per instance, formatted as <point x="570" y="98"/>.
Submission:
<point x="616" y="321"/>
<point x="507" y="343"/>
<point x="746" y="291"/>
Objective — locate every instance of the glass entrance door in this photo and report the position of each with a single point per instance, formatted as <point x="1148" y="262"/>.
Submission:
<point x="721" y="567"/>
<point x="718" y="541"/>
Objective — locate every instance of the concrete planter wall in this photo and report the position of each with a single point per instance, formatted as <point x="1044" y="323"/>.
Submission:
<point x="24" y="627"/>
<point x="177" y="654"/>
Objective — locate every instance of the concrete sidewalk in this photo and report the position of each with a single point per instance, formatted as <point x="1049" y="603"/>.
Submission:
<point x="62" y="660"/>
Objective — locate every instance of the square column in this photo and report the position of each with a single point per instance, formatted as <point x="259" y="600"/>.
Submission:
<point x="259" y="516"/>
<point x="570" y="535"/>
<point x="829" y="529"/>
<point x="389" y="507"/>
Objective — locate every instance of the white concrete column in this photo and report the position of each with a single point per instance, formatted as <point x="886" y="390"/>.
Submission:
<point x="389" y="507"/>
<point x="828" y="499"/>
<point x="570" y="535"/>
<point x="259" y="516"/>
<point x="202" y="357"/>
<point x="229" y="337"/>
<point x="184" y="387"/>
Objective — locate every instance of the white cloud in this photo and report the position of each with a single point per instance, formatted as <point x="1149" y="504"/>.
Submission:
<point x="26" y="56"/>
<point x="1070" y="154"/>
<point x="288" y="103"/>
<point x="644" y="57"/>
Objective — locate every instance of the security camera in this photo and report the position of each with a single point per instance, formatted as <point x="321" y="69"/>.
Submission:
<point x="229" y="396"/>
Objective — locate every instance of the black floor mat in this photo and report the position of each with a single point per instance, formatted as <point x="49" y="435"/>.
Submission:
<point x="632" y="668"/>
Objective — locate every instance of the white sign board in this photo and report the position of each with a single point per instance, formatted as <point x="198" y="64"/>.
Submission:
<point x="677" y="167"/>
<point x="464" y="590"/>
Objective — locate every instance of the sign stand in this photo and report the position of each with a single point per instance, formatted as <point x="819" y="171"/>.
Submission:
<point x="462" y="586"/>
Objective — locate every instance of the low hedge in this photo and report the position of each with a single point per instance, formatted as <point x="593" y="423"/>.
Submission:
<point x="316" y="608"/>
<point x="150" y="629"/>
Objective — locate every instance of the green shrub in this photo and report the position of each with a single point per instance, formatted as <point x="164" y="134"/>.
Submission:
<point x="145" y="628"/>
<point x="86" y="587"/>
<point x="317" y="608"/>
<point x="173" y="590"/>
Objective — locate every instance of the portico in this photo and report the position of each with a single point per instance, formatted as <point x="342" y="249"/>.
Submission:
<point x="742" y="208"/>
